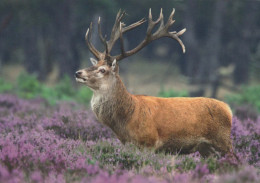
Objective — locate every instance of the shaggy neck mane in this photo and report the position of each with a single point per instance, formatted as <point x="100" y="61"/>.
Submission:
<point x="114" y="107"/>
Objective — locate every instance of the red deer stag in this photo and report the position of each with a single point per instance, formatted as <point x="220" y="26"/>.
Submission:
<point x="182" y="125"/>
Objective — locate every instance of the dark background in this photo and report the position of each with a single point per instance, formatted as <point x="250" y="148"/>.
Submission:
<point x="222" y="38"/>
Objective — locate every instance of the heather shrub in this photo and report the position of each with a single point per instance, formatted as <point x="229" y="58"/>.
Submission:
<point x="70" y="120"/>
<point x="246" y="174"/>
<point x="186" y="163"/>
<point x="246" y="140"/>
<point x="112" y="152"/>
<point x="64" y="143"/>
<point x="212" y="164"/>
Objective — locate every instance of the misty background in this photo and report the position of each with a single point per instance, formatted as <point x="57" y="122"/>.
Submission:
<point x="46" y="38"/>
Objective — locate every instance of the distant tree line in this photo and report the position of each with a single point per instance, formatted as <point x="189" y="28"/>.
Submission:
<point x="44" y="33"/>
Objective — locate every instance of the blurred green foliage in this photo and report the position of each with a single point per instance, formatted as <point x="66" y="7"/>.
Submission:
<point x="28" y="87"/>
<point x="5" y="86"/>
<point x="172" y="93"/>
<point x="249" y="95"/>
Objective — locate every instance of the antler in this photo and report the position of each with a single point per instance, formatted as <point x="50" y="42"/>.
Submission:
<point x="119" y="28"/>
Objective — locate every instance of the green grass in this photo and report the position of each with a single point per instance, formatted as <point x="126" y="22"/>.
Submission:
<point x="28" y="87"/>
<point x="172" y="93"/>
<point x="249" y="95"/>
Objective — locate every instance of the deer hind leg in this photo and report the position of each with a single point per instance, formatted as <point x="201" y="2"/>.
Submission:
<point x="223" y="142"/>
<point x="216" y="147"/>
<point x="205" y="148"/>
<point x="223" y="146"/>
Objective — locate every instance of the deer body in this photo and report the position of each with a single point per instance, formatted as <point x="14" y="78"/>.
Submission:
<point x="170" y="124"/>
<point x="173" y="124"/>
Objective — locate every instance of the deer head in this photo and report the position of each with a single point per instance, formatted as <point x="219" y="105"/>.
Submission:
<point x="105" y="68"/>
<point x="98" y="77"/>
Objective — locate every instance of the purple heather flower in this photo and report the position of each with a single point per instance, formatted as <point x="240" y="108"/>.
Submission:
<point x="59" y="144"/>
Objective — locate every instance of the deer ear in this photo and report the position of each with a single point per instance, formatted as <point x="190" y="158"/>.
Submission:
<point x="114" y="66"/>
<point x="93" y="61"/>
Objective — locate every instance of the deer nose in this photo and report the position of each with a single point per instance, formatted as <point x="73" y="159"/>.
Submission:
<point x="77" y="74"/>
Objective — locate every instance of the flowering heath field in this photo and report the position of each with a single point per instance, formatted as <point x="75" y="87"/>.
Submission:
<point x="65" y="143"/>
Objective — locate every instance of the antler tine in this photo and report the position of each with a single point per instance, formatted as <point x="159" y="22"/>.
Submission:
<point x="92" y="49"/>
<point x="115" y="31"/>
<point x="160" y="18"/>
<point x="151" y="23"/>
<point x="170" y="20"/>
<point x="121" y="39"/>
<point x="119" y="15"/>
<point x="181" y="32"/>
<point x="134" y="25"/>
<point x="150" y="14"/>
<point x="101" y="36"/>
<point x="100" y="32"/>
<point x="175" y="35"/>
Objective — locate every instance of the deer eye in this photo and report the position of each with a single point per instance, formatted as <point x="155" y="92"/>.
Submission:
<point x="102" y="70"/>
